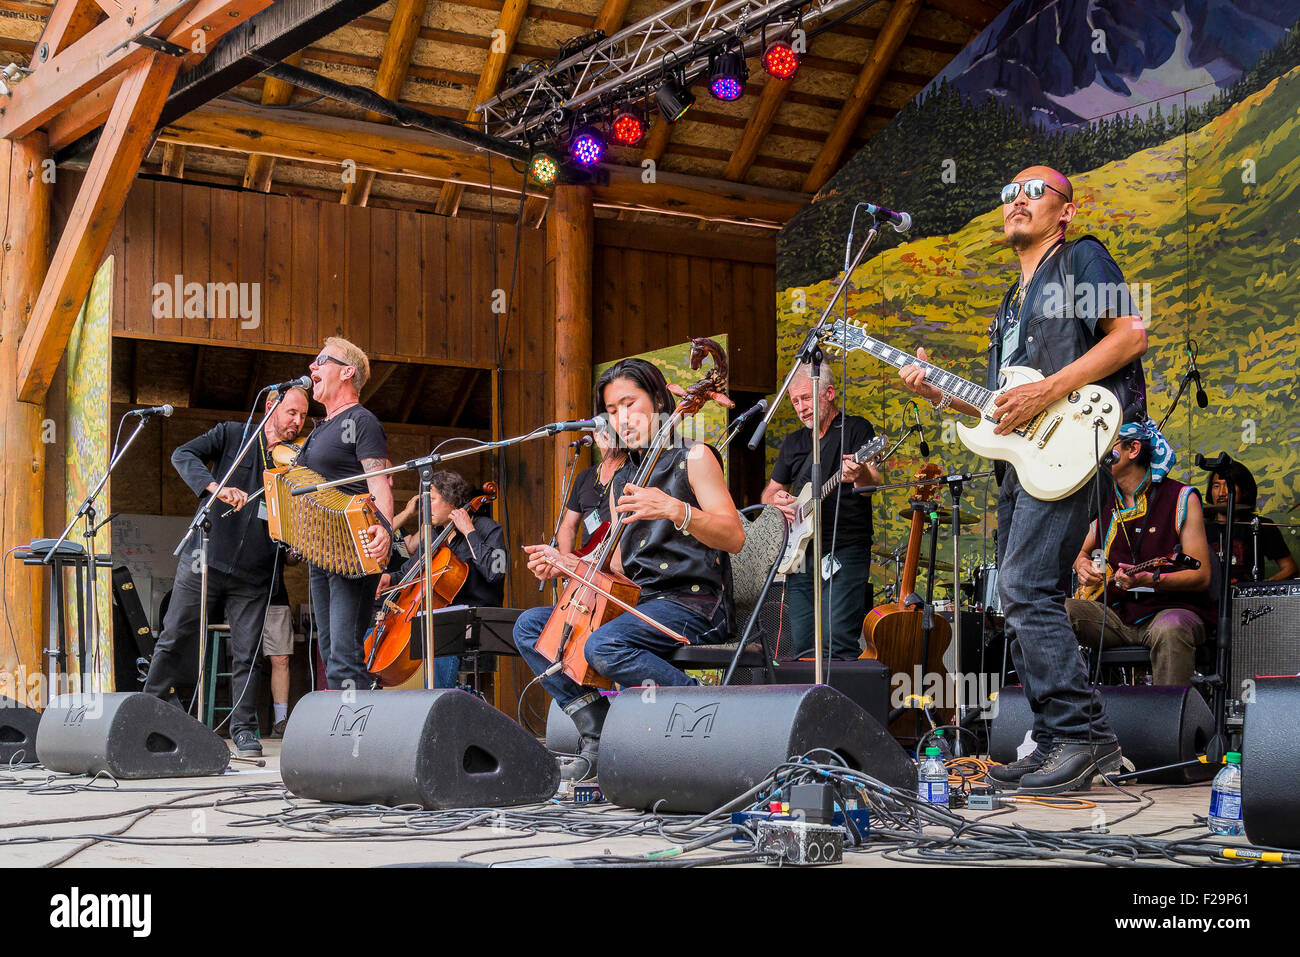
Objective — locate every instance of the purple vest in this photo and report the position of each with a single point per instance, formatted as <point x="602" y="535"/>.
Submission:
<point x="1153" y="526"/>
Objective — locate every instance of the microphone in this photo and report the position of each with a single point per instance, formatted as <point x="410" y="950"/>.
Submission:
<point x="901" y="222"/>
<point x="750" y="413"/>
<point x="1111" y="457"/>
<point x="163" y="410"/>
<point x="1201" y="400"/>
<point x="583" y="443"/>
<point x="575" y="425"/>
<point x="925" y="446"/>
<point x="303" y="381"/>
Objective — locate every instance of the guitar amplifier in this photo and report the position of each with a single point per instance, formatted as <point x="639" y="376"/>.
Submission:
<point x="1265" y="631"/>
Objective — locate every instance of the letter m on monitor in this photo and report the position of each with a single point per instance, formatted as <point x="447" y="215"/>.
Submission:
<point x="687" y="721"/>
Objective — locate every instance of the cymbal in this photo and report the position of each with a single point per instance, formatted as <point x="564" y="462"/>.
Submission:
<point x="945" y="516"/>
<point x="1221" y="510"/>
<point x="888" y="557"/>
<point x="939" y="566"/>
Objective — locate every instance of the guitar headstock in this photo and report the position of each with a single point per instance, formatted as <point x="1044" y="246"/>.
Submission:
<point x="873" y="451"/>
<point x="845" y="335"/>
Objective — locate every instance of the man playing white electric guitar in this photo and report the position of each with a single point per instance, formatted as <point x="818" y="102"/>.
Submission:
<point x="1069" y="317"/>
<point x="845" y="570"/>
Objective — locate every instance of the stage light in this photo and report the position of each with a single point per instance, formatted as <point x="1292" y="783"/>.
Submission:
<point x="727" y="76"/>
<point x="544" y="169"/>
<point x="628" y="128"/>
<point x="673" y="98"/>
<point x="587" y="146"/>
<point x="780" y="60"/>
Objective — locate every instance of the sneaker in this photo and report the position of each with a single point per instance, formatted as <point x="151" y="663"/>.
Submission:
<point x="1071" y="767"/>
<point x="247" y="745"/>
<point x="1007" y="776"/>
<point x="277" y="729"/>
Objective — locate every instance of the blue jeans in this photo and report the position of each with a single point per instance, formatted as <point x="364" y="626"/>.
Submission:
<point x="446" y="669"/>
<point x="842" y="624"/>
<point x="1037" y="545"/>
<point x="623" y="650"/>
<point x="343" y="608"/>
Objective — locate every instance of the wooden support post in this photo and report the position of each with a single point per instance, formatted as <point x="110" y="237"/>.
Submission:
<point x="570" y="247"/>
<point x="127" y="136"/>
<point x="25" y="193"/>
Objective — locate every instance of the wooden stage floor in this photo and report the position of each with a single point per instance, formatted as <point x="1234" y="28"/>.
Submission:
<point x="247" y="819"/>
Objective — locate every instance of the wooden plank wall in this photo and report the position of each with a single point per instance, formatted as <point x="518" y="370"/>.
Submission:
<point x="656" y="287"/>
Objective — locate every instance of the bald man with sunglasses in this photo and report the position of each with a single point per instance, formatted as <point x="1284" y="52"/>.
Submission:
<point x="1069" y="315"/>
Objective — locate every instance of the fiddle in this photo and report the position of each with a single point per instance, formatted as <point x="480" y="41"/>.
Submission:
<point x="286" y="453"/>
<point x="596" y="594"/>
<point x="388" y="643"/>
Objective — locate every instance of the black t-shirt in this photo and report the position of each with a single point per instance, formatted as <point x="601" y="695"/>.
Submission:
<point x="485" y="553"/>
<point x="588" y="495"/>
<point x="336" y="446"/>
<point x="1272" y="546"/>
<point x="794" y="466"/>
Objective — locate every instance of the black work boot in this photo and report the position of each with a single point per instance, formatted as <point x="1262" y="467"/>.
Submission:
<point x="588" y="717"/>
<point x="1007" y="776"/>
<point x="1070" y="766"/>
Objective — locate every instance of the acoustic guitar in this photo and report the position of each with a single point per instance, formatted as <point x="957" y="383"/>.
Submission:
<point x="1175" y="562"/>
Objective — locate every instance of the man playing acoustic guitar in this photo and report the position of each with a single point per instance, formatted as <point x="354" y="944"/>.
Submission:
<point x="1146" y="516"/>
<point x="1070" y="318"/>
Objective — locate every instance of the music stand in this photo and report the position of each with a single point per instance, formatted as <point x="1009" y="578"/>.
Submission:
<point x="468" y="631"/>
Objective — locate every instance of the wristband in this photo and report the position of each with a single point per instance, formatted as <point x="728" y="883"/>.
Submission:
<point x="944" y="403"/>
<point x="686" y="520"/>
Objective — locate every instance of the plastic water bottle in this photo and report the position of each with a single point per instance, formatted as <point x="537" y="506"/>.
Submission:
<point x="1225" y="798"/>
<point x="932" y="778"/>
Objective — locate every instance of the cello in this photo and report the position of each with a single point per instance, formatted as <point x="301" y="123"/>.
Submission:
<point x="892" y="633"/>
<point x="388" y="642"/>
<point x="595" y="593"/>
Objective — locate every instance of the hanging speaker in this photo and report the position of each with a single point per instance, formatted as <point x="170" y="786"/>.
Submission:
<point x="1270" y="764"/>
<point x="435" y="749"/>
<point x="690" y="750"/>
<point x="1156" y="725"/>
<point x="129" y="735"/>
<point x="17" y="731"/>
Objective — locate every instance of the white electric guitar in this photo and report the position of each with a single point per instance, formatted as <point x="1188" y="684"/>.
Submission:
<point x="801" y="529"/>
<point x="1054" y="453"/>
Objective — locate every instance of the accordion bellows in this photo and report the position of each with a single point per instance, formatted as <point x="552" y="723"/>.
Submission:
<point x="327" y="527"/>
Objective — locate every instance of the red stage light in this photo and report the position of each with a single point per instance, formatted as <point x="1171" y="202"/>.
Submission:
<point x="780" y="60"/>
<point x="628" y="128"/>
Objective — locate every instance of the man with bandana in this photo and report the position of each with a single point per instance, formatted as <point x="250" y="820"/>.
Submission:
<point x="1145" y="515"/>
<point x="1069" y="316"/>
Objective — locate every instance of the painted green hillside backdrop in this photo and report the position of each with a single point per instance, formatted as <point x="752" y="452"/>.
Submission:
<point x="1208" y="222"/>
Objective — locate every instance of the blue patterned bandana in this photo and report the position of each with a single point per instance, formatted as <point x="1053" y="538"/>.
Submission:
<point x="1163" y="457"/>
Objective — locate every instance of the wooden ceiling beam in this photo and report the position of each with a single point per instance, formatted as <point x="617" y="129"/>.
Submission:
<point x="393" y="67"/>
<point x="257" y="175"/>
<point x="127" y="136"/>
<point x="513" y="13"/>
<point x="461" y="396"/>
<point x="377" y="380"/>
<point x="173" y="161"/>
<point x="756" y="130"/>
<point x="329" y="140"/>
<point x="69" y="21"/>
<point x="977" y="13"/>
<point x="107" y="51"/>
<point x="414" y="391"/>
<point x="873" y="75"/>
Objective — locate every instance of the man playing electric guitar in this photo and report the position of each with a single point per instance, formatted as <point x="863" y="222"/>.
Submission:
<point x="1070" y="318"/>
<point x="845" y="570"/>
<point x="1144" y="516"/>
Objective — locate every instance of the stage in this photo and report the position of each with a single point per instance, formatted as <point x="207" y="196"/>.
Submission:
<point x="247" y="819"/>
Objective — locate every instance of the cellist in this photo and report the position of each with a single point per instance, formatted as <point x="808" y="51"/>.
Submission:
<point x="479" y="542"/>
<point x="682" y="525"/>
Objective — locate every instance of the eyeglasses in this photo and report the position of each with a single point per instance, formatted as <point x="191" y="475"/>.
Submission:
<point x="323" y="358"/>
<point x="1033" y="190"/>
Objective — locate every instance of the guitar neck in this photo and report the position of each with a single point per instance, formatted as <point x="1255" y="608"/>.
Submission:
<point x="853" y="337"/>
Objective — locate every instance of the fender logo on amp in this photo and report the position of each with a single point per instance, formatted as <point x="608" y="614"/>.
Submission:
<point x="1250" y="614"/>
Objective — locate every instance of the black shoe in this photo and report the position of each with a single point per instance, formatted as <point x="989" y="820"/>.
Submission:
<point x="1071" y="767"/>
<point x="247" y="745"/>
<point x="1007" y="776"/>
<point x="589" y="718"/>
<point x="277" y="729"/>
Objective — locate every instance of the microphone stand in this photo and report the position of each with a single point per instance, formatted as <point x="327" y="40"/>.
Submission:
<point x="201" y="525"/>
<point x="566" y="487"/>
<point x="814" y="335"/>
<point x="425" y="466"/>
<point x="89" y="623"/>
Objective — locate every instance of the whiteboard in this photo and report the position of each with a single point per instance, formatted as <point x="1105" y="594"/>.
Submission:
<point x="144" y="544"/>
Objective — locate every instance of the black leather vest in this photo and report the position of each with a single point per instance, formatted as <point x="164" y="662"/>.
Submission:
<point x="662" y="560"/>
<point x="1054" y="338"/>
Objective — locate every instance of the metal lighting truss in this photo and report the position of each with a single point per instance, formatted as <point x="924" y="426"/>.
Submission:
<point x="626" y="67"/>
